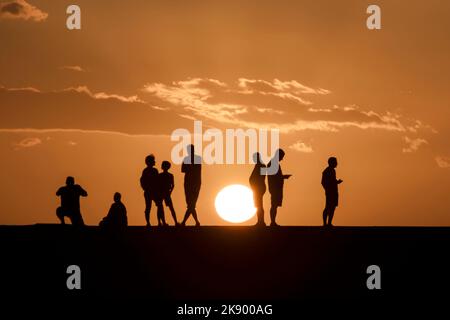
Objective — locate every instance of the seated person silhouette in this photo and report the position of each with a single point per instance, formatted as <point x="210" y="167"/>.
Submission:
<point x="70" y="202"/>
<point x="149" y="183"/>
<point x="166" y="185"/>
<point x="117" y="215"/>
<point x="276" y="184"/>
<point x="192" y="169"/>
<point x="330" y="184"/>
<point x="258" y="184"/>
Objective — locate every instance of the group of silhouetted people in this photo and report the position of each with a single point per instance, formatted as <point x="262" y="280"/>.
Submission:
<point x="158" y="187"/>
<point x="276" y="183"/>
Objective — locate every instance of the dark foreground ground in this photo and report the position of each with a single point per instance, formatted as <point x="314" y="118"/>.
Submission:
<point x="225" y="263"/>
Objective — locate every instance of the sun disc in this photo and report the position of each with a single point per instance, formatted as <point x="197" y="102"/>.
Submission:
<point x="234" y="203"/>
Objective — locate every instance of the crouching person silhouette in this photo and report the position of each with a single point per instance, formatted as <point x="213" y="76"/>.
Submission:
<point x="117" y="215"/>
<point x="330" y="184"/>
<point x="70" y="202"/>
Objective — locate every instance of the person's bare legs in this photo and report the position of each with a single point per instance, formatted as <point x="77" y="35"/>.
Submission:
<point x="186" y="216"/>
<point x="174" y="215"/>
<point x="273" y="215"/>
<point x="260" y="215"/>
<point x="194" y="214"/>
<point x="331" y="215"/>
<point x="161" y="215"/>
<point x="60" y="215"/>
<point x="148" y="207"/>
<point x="325" y="216"/>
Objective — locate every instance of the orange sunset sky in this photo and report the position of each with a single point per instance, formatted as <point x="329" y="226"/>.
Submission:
<point x="94" y="102"/>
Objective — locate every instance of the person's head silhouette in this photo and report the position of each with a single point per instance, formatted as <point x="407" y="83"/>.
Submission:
<point x="190" y="149"/>
<point x="70" y="181"/>
<point x="257" y="158"/>
<point x="332" y="162"/>
<point x="150" y="160"/>
<point x="280" y="153"/>
<point x="165" y="165"/>
<point x="117" y="197"/>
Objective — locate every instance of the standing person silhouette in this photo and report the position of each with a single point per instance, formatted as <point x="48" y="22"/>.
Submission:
<point x="330" y="184"/>
<point x="192" y="169"/>
<point x="149" y="183"/>
<point x="166" y="185"/>
<point x="258" y="184"/>
<point x="70" y="202"/>
<point x="276" y="184"/>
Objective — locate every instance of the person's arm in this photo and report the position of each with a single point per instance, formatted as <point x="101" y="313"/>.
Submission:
<point x="336" y="181"/>
<point x="58" y="193"/>
<point x="184" y="167"/>
<point x="143" y="179"/>
<point x="83" y="192"/>
<point x="172" y="183"/>
<point x="286" y="176"/>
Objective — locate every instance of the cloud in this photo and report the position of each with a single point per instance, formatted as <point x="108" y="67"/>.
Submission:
<point x="32" y="89"/>
<point x="20" y="9"/>
<point x="103" y="95"/>
<point x="166" y="107"/>
<point x="443" y="162"/>
<point x="269" y="110"/>
<point x="268" y="104"/>
<point x="73" y="68"/>
<point x="82" y="131"/>
<point x="193" y="95"/>
<point x="413" y="144"/>
<point x="290" y="90"/>
<point x="301" y="147"/>
<point x="82" y="110"/>
<point x="292" y="86"/>
<point x="28" y="143"/>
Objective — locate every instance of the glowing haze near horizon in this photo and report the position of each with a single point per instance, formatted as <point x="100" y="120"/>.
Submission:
<point x="93" y="103"/>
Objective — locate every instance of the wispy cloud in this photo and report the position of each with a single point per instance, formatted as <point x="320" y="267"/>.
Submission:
<point x="24" y="142"/>
<point x="20" y="9"/>
<point x="103" y="95"/>
<point x="413" y="145"/>
<point x="193" y="95"/>
<point x="232" y="105"/>
<point x="290" y="90"/>
<point x="80" y="108"/>
<point x="73" y="68"/>
<point x="443" y="162"/>
<point x="276" y="85"/>
<point x="32" y="89"/>
<point x="28" y="143"/>
<point x="301" y="147"/>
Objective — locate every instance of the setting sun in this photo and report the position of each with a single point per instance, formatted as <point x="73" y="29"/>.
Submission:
<point x="234" y="203"/>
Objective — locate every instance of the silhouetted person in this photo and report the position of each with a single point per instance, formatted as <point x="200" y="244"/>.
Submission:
<point x="276" y="183"/>
<point x="149" y="183"/>
<point x="166" y="185"/>
<point x="258" y="184"/>
<point x="117" y="215"/>
<point x="70" y="202"/>
<point x="330" y="184"/>
<point x="192" y="170"/>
